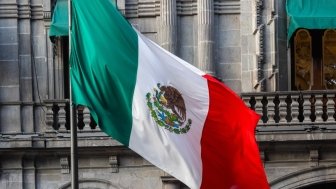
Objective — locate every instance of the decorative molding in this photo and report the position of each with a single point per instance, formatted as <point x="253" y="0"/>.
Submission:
<point x="142" y="9"/>
<point x="24" y="10"/>
<point x="49" y="117"/>
<point x="137" y="9"/>
<point x="205" y="20"/>
<point x="47" y="15"/>
<point x="261" y="34"/>
<point x="186" y="7"/>
<point x="227" y="7"/>
<point x="22" y="103"/>
<point x="99" y="183"/>
<point x="64" y="162"/>
<point x="305" y="176"/>
<point x="148" y="8"/>
<point x="37" y="12"/>
<point x="167" y="25"/>
<point x="62" y="117"/>
<point x="170" y="182"/>
<point x="314" y="157"/>
<point x="113" y="161"/>
<point x="14" y="10"/>
<point x="132" y="9"/>
<point x="9" y="10"/>
<point x="205" y="10"/>
<point x="168" y="178"/>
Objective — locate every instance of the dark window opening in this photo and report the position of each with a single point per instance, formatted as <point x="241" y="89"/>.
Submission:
<point x="65" y="49"/>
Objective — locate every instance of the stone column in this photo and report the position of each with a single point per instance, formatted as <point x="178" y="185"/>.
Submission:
<point x="205" y="11"/>
<point x="51" y="94"/>
<point x="39" y="61"/>
<point x="9" y="68"/>
<point x="26" y="90"/>
<point x="167" y="25"/>
<point x="29" y="173"/>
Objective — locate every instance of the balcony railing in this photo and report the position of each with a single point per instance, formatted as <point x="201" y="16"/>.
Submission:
<point x="295" y="110"/>
<point x="58" y="117"/>
<point x="306" y="110"/>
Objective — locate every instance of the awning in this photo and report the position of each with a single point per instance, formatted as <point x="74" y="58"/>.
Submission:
<point x="311" y="14"/>
<point x="59" y="24"/>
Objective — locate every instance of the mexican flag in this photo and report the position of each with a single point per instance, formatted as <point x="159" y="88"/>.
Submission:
<point x="174" y="115"/>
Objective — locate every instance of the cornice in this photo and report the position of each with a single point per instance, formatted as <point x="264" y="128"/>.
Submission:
<point x="138" y="9"/>
<point x="22" y="11"/>
<point x="8" y="10"/>
<point x="227" y="7"/>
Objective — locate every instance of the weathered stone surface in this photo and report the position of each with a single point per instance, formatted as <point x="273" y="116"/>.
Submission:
<point x="235" y="85"/>
<point x="187" y="34"/>
<point x="9" y="72"/>
<point x="9" y="51"/>
<point x="230" y="71"/>
<point x="8" y="35"/>
<point x="9" y="122"/>
<point x="229" y="55"/>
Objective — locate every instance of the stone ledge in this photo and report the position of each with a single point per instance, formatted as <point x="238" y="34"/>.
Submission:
<point x="38" y="142"/>
<point x="288" y="136"/>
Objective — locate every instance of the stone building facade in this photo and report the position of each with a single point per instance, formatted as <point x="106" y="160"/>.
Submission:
<point x="242" y="42"/>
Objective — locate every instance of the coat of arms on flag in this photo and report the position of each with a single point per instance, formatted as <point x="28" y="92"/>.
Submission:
<point x="168" y="109"/>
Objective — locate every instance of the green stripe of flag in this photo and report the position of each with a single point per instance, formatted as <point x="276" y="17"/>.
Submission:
<point x="104" y="60"/>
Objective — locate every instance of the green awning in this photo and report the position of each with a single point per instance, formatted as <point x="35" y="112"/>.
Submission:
<point x="311" y="14"/>
<point x="59" y="24"/>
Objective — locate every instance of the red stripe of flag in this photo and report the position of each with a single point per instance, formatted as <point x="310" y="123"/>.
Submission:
<point x="230" y="154"/>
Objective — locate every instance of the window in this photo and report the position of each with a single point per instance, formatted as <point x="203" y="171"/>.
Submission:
<point x="314" y="59"/>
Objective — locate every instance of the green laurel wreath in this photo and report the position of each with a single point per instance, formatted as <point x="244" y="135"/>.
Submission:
<point x="171" y="117"/>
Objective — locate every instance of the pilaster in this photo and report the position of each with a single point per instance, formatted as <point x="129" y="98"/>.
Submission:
<point x="167" y="25"/>
<point x="29" y="173"/>
<point x="9" y="68"/>
<point x="25" y="65"/>
<point x="205" y="11"/>
<point x="39" y="60"/>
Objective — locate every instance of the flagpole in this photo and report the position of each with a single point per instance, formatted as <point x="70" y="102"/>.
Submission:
<point x="73" y="123"/>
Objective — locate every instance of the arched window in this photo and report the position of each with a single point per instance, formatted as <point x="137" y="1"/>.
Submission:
<point x="314" y="59"/>
<point x="303" y="60"/>
<point x="329" y="59"/>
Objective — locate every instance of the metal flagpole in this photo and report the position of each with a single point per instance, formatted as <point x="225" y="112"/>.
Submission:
<point x="73" y="123"/>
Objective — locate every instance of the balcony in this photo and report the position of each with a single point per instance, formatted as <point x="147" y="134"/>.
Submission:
<point x="58" y="117"/>
<point x="294" y="110"/>
<point x="280" y="111"/>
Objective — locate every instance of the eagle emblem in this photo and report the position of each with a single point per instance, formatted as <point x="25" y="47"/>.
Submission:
<point x="168" y="109"/>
